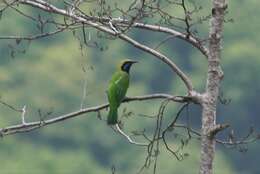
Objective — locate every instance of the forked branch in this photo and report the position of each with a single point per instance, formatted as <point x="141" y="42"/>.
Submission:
<point x="51" y="8"/>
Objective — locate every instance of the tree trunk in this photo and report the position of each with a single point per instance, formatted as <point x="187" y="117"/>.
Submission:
<point x="210" y="98"/>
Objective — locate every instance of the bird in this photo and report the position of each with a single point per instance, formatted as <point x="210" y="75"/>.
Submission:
<point x="117" y="89"/>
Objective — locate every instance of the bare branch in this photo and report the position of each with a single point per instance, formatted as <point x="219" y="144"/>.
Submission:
<point x="34" y="37"/>
<point x="191" y="130"/>
<point x="234" y="141"/>
<point x="23" y="115"/>
<point x="227" y="143"/>
<point x="162" y="57"/>
<point x="153" y="148"/>
<point x="37" y="124"/>
<point x="157" y="28"/>
<point x="193" y="41"/>
<point x="230" y="143"/>
<point x="163" y="41"/>
<point x="48" y="7"/>
<point x="217" y="128"/>
<point x="8" y="5"/>
<point x="169" y="127"/>
<point x="129" y="139"/>
<point x="238" y="142"/>
<point x="11" y="5"/>
<point x="10" y="106"/>
<point x="74" y="6"/>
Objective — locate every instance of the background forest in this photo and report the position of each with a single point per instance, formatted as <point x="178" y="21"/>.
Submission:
<point x="49" y="75"/>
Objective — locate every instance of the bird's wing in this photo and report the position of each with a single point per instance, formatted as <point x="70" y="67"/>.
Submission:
<point x="118" y="87"/>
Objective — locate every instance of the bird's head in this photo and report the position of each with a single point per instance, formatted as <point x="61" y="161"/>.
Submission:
<point x="125" y="65"/>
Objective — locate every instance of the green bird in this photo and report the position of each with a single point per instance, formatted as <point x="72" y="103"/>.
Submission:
<point x="117" y="89"/>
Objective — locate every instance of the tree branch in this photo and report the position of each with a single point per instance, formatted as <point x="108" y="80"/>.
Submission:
<point x="217" y="128"/>
<point x="162" y="57"/>
<point x="229" y="143"/>
<point x="129" y="139"/>
<point x="50" y="8"/>
<point x="157" y="28"/>
<point x="19" y="128"/>
<point x="34" y="37"/>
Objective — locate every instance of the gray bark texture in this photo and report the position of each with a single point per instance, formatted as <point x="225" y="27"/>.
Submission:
<point x="215" y="74"/>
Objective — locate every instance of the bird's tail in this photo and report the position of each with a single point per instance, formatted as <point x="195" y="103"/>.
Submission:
<point x="112" y="116"/>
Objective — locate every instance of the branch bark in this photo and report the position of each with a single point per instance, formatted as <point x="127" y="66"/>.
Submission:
<point x="214" y="77"/>
<point x="29" y="126"/>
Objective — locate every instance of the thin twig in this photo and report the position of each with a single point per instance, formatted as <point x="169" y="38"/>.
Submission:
<point x="170" y="126"/>
<point x="23" y="115"/>
<point x="34" y="37"/>
<point x="129" y="139"/>
<point x="10" y="106"/>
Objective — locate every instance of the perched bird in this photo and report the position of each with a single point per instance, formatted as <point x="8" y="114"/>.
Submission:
<point x="117" y="89"/>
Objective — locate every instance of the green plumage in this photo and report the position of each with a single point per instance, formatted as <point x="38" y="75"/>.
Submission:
<point x="117" y="89"/>
<point x="116" y="93"/>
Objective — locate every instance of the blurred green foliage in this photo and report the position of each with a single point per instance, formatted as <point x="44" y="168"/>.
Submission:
<point x="49" y="74"/>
